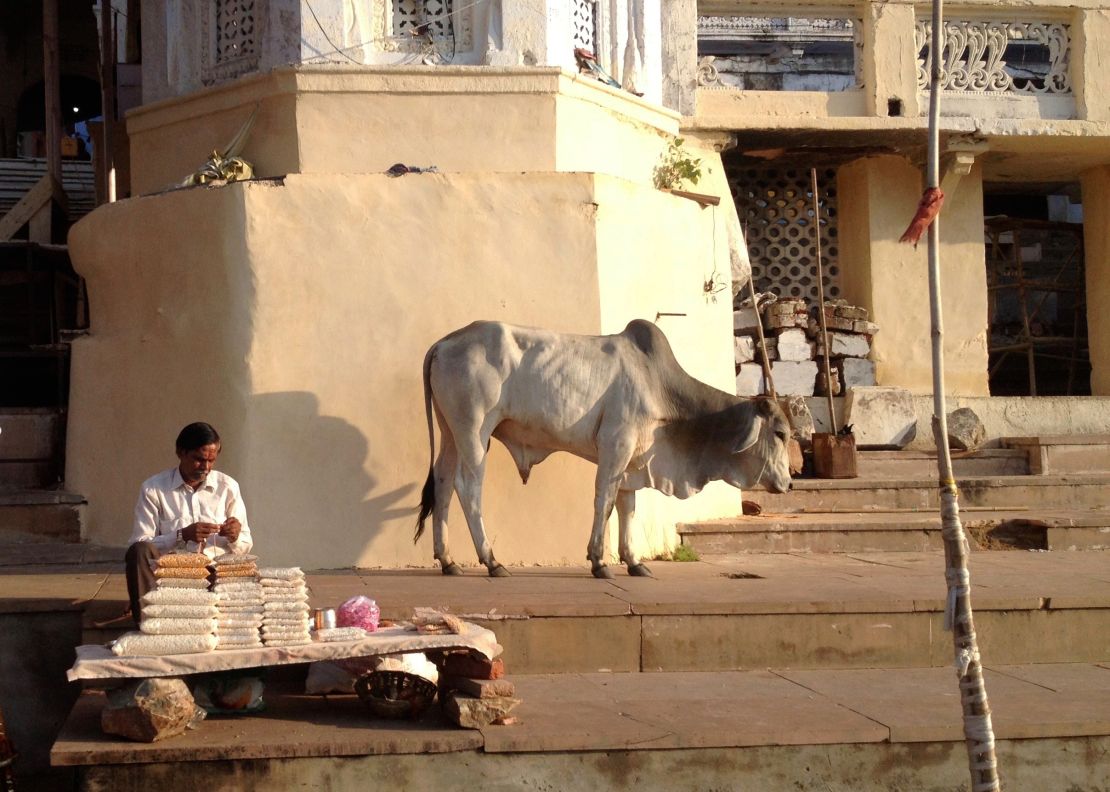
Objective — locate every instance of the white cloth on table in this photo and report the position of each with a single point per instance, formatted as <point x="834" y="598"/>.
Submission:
<point x="137" y="643"/>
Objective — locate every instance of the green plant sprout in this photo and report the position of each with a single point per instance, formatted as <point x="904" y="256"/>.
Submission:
<point x="677" y="167"/>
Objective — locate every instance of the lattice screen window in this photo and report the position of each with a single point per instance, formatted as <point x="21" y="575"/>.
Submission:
<point x="438" y="15"/>
<point x="230" y="28"/>
<point x="776" y="211"/>
<point x="584" y="20"/>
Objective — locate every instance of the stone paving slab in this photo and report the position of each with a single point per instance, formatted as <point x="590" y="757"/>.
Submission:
<point x="640" y="712"/>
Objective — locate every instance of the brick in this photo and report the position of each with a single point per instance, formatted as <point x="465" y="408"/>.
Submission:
<point x="743" y="349"/>
<point x="881" y="417"/>
<point x="749" y="382"/>
<point x="794" y="378"/>
<point x="787" y="320"/>
<point x="475" y="713"/>
<point x="480" y="688"/>
<point x="461" y="664"/>
<point x="821" y="390"/>
<point x="846" y="345"/>
<point x="866" y="328"/>
<point x="845" y="311"/>
<point x="745" y="320"/>
<point x="793" y="345"/>
<point x="856" y="372"/>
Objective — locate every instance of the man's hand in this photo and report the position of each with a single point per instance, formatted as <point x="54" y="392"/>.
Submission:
<point x="198" y="531"/>
<point x="230" y="529"/>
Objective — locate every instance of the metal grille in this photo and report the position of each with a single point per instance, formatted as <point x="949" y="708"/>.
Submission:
<point x="235" y="30"/>
<point x="776" y="211"/>
<point x="584" y="20"/>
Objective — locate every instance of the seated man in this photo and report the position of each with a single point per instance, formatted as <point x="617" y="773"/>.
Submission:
<point x="189" y="508"/>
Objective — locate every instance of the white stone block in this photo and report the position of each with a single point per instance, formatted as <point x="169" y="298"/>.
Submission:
<point x="745" y="320"/>
<point x="846" y="345"/>
<point x="744" y="349"/>
<point x="794" y="378"/>
<point x="793" y="345"/>
<point x="881" y="417"/>
<point x="856" y="372"/>
<point x="749" y="382"/>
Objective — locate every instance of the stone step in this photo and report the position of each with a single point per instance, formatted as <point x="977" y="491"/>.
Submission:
<point x="985" y="462"/>
<point x="864" y="532"/>
<point x="1072" y="491"/>
<point x="31" y="447"/>
<point x="1053" y="454"/>
<point x="857" y="610"/>
<point x="30" y="516"/>
<point x="867" y="730"/>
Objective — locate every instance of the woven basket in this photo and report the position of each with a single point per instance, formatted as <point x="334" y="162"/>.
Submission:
<point x="395" y="694"/>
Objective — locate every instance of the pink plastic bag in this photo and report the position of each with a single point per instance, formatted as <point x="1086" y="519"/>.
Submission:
<point x="360" y="611"/>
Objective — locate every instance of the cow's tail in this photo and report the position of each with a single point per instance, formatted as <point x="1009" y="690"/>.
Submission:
<point x="428" y="494"/>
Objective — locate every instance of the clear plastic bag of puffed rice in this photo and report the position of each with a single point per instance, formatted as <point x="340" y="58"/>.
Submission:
<point x="360" y="611"/>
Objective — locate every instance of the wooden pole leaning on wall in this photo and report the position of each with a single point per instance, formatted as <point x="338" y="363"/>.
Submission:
<point x="108" y="96"/>
<point x="978" y="729"/>
<point x="834" y="454"/>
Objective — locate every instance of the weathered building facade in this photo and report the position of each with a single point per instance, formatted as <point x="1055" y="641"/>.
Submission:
<point x="293" y="310"/>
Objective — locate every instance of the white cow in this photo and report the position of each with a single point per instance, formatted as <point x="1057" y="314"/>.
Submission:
<point x="621" y="401"/>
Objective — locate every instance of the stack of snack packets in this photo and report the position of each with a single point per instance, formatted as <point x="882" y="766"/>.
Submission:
<point x="285" y="607"/>
<point x="239" y="607"/>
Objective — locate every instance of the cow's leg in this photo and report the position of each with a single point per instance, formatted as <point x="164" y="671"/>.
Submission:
<point x="626" y="511"/>
<point x="468" y="484"/>
<point x="445" y="471"/>
<point x="611" y="464"/>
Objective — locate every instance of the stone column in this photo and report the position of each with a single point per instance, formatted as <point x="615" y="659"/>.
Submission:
<point x="878" y="196"/>
<point x="1090" y="51"/>
<point x="890" y="60"/>
<point x="1096" y="253"/>
<point x="679" y="27"/>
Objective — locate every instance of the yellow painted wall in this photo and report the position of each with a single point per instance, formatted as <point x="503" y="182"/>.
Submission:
<point x="1095" y="184"/>
<point x="295" y="316"/>
<point x="878" y="197"/>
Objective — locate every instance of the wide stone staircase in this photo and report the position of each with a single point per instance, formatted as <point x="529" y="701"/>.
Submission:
<point x="804" y="650"/>
<point x="1034" y="493"/>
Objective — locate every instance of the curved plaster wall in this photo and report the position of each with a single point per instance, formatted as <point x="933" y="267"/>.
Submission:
<point x="294" y="315"/>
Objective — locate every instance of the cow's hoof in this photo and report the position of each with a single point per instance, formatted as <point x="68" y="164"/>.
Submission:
<point x="640" y="570"/>
<point x="452" y="569"/>
<point x="603" y="572"/>
<point x="499" y="571"/>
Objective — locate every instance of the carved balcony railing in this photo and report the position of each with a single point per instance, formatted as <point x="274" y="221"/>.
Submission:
<point x="778" y="53"/>
<point x="997" y="57"/>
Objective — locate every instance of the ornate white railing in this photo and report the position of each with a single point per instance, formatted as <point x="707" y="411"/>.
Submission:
<point x="998" y="57"/>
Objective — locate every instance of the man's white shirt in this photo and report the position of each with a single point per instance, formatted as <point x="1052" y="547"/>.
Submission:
<point x="167" y="504"/>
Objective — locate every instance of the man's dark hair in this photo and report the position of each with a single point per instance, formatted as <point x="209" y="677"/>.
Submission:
<point x="197" y="435"/>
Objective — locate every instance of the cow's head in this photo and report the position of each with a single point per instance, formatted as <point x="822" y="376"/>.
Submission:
<point x="760" y="455"/>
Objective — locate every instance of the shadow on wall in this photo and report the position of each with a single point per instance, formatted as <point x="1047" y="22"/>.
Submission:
<point x="306" y="485"/>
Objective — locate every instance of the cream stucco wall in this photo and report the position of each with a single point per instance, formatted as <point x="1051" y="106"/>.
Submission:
<point x="877" y="198"/>
<point x="294" y="315"/>
<point x="363" y="120"/>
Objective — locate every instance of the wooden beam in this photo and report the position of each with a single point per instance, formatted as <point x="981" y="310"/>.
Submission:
<point x="51" y="75"/>
<point x="46" y="191"/>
